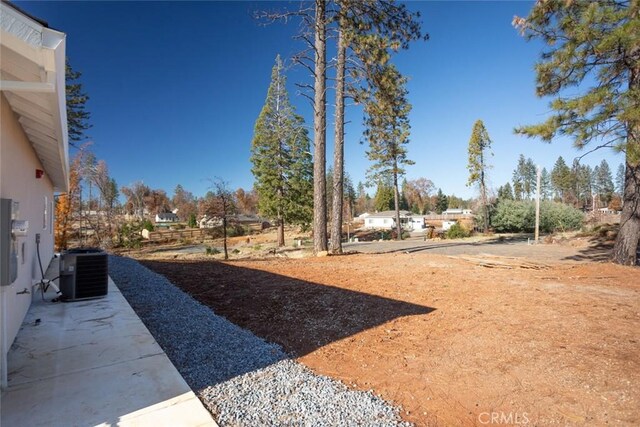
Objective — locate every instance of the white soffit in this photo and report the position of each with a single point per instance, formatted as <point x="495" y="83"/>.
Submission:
<point x="32" y="78"/>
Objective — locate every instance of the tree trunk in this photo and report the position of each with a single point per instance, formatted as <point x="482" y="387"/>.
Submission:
<point x="485" y="207"/>
<point x="224" y="236"/>
<point x="280" y="232"/>
<point x="338" y="151"/>
<point x="625" y="250"/>
<point x="396" y="200"/>
<point x="319" y="131"/>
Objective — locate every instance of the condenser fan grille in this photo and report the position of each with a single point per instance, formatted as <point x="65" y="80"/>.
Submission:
<point x="92" y="276"/>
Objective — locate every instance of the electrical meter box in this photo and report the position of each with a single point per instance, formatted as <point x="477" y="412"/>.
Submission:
<point x="11" y="228"/>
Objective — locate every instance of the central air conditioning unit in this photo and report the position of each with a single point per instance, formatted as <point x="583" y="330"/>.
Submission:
<point x="84" y="274"/>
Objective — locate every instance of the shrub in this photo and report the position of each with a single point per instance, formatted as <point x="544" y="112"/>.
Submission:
<point x="147" y="225"/>
<point x="129" y="235"/>
<point x="559" y="217"/>
<point x="211" y="250"/>
<point x="457" y="231"/>
<point x="386" y="235"/>
<point x="192" y="223"/>
<point x="511" y="216"/>
<point x="235" y="230"/>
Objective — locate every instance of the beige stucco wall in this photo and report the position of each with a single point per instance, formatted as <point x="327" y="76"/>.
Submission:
<point x="18" y="162"/>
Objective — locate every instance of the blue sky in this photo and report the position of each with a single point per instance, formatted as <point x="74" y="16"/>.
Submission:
<point x="176" y="88"/>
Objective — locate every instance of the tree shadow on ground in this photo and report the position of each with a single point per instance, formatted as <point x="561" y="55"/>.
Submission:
<point x="300" y="316"/>
<point x="427" y="246"/>
<point x="595" y="252"/>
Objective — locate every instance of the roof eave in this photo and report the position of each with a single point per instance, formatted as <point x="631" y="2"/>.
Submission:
<point x="42" y="50"/>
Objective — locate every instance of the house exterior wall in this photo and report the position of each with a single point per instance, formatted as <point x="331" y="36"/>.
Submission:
<point x="379" y="223"/>
<point x="18" y="162"/>
<point x="447" y="225"/>
<point x="417" y="223"/>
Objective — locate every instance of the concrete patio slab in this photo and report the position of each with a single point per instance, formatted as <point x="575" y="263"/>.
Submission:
<point x="93" y="362"/>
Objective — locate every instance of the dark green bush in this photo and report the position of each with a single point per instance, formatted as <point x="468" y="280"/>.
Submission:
<point x="559" y="217"/>
<point x="192" y="223"/>
<point x="236" y="230"/>
<point x="129" y="235"/>
<point x="511" y="216"/>
<point x="147" y="225"/>
<point x="457" y="231"/>
<point x="211" y="250"/>
<point x="386" y="235"/>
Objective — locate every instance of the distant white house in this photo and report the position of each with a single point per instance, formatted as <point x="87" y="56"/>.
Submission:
<point x="166" y="218"/>
<point x="209" y="222"/>
<point x="387" y="219"/>
<point x="606" y="211"/>
<point x="458" y="212"/>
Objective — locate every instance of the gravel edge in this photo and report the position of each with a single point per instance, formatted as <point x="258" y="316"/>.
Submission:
<point x="242" y="379"/>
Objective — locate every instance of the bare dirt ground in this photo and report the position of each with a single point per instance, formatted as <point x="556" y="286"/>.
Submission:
<point x="463" y="339"/>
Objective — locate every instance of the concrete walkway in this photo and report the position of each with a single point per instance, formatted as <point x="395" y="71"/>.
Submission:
<point x="90" y="363"/>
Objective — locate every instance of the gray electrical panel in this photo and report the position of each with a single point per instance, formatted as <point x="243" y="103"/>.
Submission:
<point x="8" y="245"/>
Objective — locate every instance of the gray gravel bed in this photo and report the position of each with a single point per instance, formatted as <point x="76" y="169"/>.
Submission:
<point x="242" y="379"/>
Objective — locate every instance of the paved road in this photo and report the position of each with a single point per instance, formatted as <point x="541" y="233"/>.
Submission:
<point x="513" y="246"/>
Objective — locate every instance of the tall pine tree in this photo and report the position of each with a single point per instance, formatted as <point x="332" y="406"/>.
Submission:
<point x="604" y="180"/>
<point x="597" y="43"/>
<point x="561" y="179"/>
<point x="479" y="147"/>
<point x="77" y="114"/>
<point x="387" y="121"/>
<point x="281" y="160"/>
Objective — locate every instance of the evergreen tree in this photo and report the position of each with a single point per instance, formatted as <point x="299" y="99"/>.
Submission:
<point x="281" y="161"/>
<point x="349" y="196"/>
<point x="518" y="186"/>
<point x="505" y="192"/>
<point x="518" y="178"/>
<point x="604" y="181"/>
<point x="561" y="179"/>
<point x="371" y="30"/>
<point x="593" y="42"/>
<point x="479" y="147"/>
<point x="77" y="114"/>
<point x="582" y="183"/>
<point x="442" y="202"/>
<point x="320" y="127"/>
<point x="361" y="199"/>
<point x="524" y="178"/>
<point x="620" y="180"/>
<point x="383" y="200"/>
<point x="530" y="173"/>
<point x="595" y="187"/>
<point x="545" y="184"/>
<point x="387" y="130"/>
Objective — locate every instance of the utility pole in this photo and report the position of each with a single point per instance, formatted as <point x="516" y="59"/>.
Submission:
<point x="537" y="232"/>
